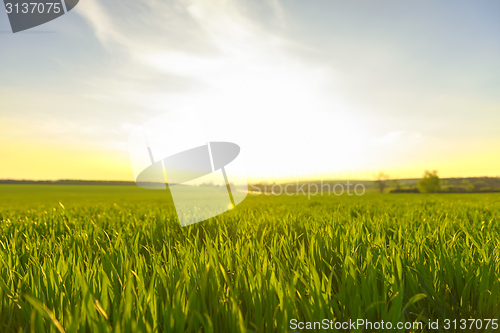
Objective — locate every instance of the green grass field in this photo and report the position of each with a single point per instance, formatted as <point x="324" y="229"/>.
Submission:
<point x="114" y="259"/>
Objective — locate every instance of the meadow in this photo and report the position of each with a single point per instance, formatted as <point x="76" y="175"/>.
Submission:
<point x="114" y="259"/>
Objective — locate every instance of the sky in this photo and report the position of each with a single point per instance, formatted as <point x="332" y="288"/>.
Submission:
<point x="308" y="89"/>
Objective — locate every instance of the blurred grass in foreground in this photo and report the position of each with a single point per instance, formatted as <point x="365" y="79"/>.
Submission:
<point x="114" y="258"/>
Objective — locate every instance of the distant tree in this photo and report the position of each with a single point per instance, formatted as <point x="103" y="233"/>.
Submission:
<point x="430" y="183"/>
<point x="480" y="185"/>
<point x="396" y="184"/>
<point x="467" y="185"/>
<point x="381" y="182"/>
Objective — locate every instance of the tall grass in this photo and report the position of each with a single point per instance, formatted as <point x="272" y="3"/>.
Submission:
<point x="118" y="261"/>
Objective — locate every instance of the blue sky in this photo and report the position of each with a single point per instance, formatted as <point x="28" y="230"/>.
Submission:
<point x="308" y="89"/>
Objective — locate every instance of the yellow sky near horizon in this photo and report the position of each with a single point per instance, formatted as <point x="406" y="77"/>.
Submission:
<point x="48" y="161"/>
